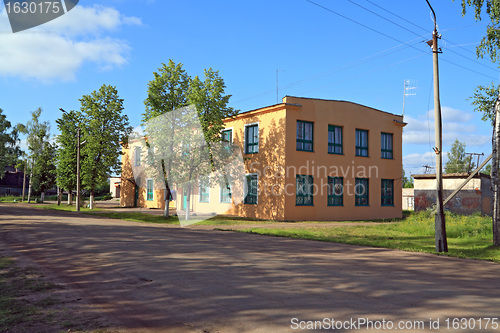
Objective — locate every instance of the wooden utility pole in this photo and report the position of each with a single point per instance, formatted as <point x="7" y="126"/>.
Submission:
<point x="495" y="173"/>
<point x="78" y="168"/>
<point x="440" y="223"/>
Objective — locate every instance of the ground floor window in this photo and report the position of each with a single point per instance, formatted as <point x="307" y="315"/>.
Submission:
<point x="225" y="191"/>
<point x="149" y="190"/>
<point x="361" y="192"/>
<point x="204" y="190"/>
<point x="335" y="191"/>
<point x="252" y="189"/>
<point x="304" y="190"/>
<point x="387" y="194"/>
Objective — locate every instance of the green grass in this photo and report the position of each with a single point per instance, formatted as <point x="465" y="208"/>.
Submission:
<point x="10" y="199"/>
<point x="468" y="236"/>
<point x="64" y="207"/>
<point x="15" y="283"/>
<point x="135" y="217"/>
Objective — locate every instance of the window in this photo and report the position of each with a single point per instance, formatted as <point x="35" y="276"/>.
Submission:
<point x="252" y="139"/>
<point x="149" y="190"/>
<point x="335" y="191"/>
<point x="386" y="145"/>
<point x="137" y="155"/>
<point x="335" y="140"/>
<point x="304" y="135"/>
<point x="151" y="155"/>
<point x="227" y="135"/>
<point x="204" y="190"/>
<point x="361" y="192"/>
<point x="304" y="191"/>
<point x="387" y="194"/>
<point x="252" y="189"/>
<point x="225" y="192"/>
<point x="361" y="142"/>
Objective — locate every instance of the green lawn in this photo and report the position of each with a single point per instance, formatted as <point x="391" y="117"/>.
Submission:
<point x="468" y="236"/>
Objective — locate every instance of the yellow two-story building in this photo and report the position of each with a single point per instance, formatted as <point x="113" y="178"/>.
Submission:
<point x="305" y="159"/>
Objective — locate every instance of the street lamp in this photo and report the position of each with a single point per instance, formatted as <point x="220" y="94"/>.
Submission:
<point x="77" y="163"/>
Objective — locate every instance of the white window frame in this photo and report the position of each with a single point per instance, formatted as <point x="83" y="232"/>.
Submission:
<point x="232" y="132"/>
<point x="147" y="180"/>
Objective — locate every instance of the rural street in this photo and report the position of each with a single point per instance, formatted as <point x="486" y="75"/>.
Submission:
<point x="159" y="278"/>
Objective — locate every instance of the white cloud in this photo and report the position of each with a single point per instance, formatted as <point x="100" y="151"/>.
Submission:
<point x="456" y="125"/>
<point x="57" y="49"/>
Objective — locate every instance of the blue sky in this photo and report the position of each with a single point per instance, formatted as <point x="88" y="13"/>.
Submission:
<point x="359" y="51"/>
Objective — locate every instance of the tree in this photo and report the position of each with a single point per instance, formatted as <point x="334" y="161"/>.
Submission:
<point x="458" y="161"/>
<point x="166" y="92"/>
<point x="490" y="45"/>
<point x="9" y="144"/>
<point x="407" y="182"/>
<point x="44" y="169"/>
<point x="67" y="150"/>
<point x="38" y="136"/>
<point x="102" y="131"/>
<point x="185" y="135"/>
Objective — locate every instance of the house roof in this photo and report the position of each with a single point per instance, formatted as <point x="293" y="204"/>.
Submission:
<point x="461" y="175"/>
<point x="275" y="107"/>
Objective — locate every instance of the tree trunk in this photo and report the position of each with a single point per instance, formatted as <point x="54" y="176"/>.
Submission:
<point x="30" y="185"/>
<point x="59" y="194"/>
<point x="495" y="173"/>
<point x="166" y="211"/>
<point x="188" y="203"/>
<point x="91" y="204"/>
<point x="42" y="197"/>
<point x="70" y="197"/>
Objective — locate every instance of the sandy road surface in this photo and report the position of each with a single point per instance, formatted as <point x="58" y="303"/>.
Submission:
<point x="154" y="278"/>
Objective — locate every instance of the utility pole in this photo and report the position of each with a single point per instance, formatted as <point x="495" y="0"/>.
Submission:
<point x="427" y="168"/>
<point x="494" y="173"/>
<point x="440" y="223"/>
<point x="78" y="168"/>
<point x="24" y="177"/>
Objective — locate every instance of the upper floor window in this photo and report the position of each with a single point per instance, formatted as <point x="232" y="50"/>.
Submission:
<point x="252" y="139"/>
<point x="361" y="142"/>
<point x="137" y="156"/>
<point x="386" y="144"/>
<point x="304" y="135"/>
<point x="335" y="140"/>
<point x="227" y="135"/>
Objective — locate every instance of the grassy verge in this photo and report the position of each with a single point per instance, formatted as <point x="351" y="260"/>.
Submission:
<point x="135" y="217"/>
<point x="468" y="236"/>
<point x="10" y="199"/>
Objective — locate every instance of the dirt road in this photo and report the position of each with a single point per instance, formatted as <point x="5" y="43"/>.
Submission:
<point x="156" y="278"/>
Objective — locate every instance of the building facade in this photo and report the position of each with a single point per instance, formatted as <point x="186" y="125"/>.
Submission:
<point x="305" y="159"/>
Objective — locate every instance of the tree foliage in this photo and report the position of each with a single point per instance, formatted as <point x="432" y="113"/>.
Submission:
<point x="458" y="161"/>
<point x="9" y="143"/>
<point x="67" y="149"/>
<point x="44" y="169"/>
<point x="184" y="157"/>
<point x="484" y="99"/>
<point x="490" y="43"/>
